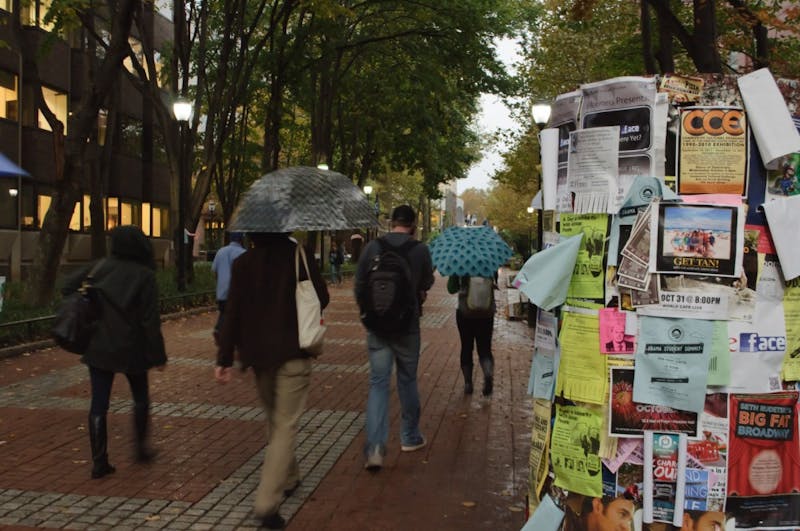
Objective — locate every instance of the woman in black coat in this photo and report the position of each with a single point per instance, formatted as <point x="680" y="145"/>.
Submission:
<point x="127" y="339"/>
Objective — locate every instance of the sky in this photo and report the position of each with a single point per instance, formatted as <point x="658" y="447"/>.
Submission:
<point x="494" y="115"/>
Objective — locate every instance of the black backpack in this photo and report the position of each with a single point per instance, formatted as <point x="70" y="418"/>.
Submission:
<point x="389" y="303"/>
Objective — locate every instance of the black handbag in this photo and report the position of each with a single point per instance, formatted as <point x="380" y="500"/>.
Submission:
<point x="77" y="316"/>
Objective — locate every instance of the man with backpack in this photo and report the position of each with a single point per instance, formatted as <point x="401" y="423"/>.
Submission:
<point x="392" y="279"/>
<point x="475" y="321"/>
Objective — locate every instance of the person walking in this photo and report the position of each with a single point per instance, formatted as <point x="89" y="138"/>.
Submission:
<point x="221" y="266"/>
<point x="336" y="259"/>
<point x="402" y="347"/>
<point x="261" y="325"/>
<point x="127" y="338"/>
<point x="475" y="321"/>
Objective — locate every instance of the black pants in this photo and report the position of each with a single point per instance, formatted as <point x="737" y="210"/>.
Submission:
<point x="220" y="316"/>
<point x="477" y="331"/>
<point x="101" y="389"/>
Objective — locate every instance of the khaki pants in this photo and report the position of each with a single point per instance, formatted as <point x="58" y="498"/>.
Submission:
<point x="283" y="392"/>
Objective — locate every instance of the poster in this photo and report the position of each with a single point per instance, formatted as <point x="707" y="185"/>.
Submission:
<point x="709" y="452"/>
<point x="764" y="461"/>
<point x="592" y="170"/>
<point x="540" y="448"/>
<point x="664" y="477"/>
<point x="757" y="350"/>
<point x="712" y="151"/>
<point x="681" y="89"/>
<point x="564" y="116"/>
<point x="697" y="239"/>
<point x="613" y="339"/>
<point x="672" y="362"/>
<point x="582" y="373"/>
<point x="587" y="276"/>
<point x="629" y="103"/>
<point x="575" y="446"/>
<point x="791" y="311"/>
<point x="630" y="419"/>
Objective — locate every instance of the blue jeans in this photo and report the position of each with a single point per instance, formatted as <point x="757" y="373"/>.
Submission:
<point x="384" y="352"/>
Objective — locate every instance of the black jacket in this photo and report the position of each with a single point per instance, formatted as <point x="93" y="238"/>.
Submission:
<point x="128" y="338"/>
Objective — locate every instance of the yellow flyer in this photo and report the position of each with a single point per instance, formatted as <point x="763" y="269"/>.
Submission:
<point x="587" y="277"/>
<point x="582" y="373"/>
<point x="575" y="447"/>
<point x="791" y="313"/>
<point x="712" y="151"/>
<point x="540" y="446"/>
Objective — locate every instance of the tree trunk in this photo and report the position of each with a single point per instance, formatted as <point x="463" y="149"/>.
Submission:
<point x="704" y="53"/>
<point x="647" y="39"/>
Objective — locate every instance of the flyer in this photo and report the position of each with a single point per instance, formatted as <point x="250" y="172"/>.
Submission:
<point x="613" y="339"/>
<point x="712" y="151"/>
<point x="582" y="373"/>
<point x="664" y="477"/>
<point x="710" y="451"/>
<point x="575" y="444"/>
<point x="757" y="350"/>
<point x="587" y="276"/>
<point x="592" y="170"/>
<point x="540" y="447"/>
<point x="697" y="239"/>
<point x="672" y="362"/>
<point x="631" y="419"/>
<point x="681" y="89"/>
<point x="791" y="311"/>
<point x="564" y="116"/>
<point x="764" y="461"/>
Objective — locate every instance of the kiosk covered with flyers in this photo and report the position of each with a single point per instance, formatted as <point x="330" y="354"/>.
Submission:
<point x="667" y="358"/>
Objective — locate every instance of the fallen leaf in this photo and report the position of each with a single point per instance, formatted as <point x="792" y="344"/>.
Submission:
<point x="468" y="503"/>
<point x="515" y="509"/>
<point x="463" y="415"/>
<point x="79" y="462"/>
<point x="152" y="517"/>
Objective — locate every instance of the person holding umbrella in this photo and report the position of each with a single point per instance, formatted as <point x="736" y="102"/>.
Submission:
<point x="475" y="321"/>
<point x="470" y="256"/>
<point x="261" y="316"/>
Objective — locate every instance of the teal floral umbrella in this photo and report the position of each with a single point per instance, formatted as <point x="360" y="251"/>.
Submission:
<point x="469" y="251"/>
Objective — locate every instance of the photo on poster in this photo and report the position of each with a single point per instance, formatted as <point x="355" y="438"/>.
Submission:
<point x="630" y="419"/>
<point x="613" y="339"/>
<point x="697" y="239"/>
<point x="785" y="181"/>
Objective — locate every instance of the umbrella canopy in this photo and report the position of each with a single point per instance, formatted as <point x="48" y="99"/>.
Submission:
<point x="302" y="198"/>
<point x="469" y="251"/>
<point x="9" y="169"/>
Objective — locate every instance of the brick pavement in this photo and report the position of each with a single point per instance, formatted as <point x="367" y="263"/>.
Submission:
<point x="473" y="474"/>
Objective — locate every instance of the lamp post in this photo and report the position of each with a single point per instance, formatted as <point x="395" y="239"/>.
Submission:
<point x="182" y="109"/>
<point x="530" y="233"/>
<point x="541" y="115"/>
<point x="368" y="191"/>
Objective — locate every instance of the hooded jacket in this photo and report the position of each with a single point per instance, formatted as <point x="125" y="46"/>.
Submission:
<point x="128" y="337"/>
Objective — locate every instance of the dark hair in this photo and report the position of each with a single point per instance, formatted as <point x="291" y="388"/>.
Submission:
<point x="404" y="215"/>
<point x="236" y="236"/>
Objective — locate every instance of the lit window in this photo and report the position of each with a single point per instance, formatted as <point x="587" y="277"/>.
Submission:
<point x="42" y="206"/>
<point x="112" y="214"/>
<point x="34" y="12"/>
<point x="160" y="221"/>
<point x="9" y="102"/>
<point x="146" y="218"/>
<point x="75" y="222"/>
<point x="57" y="102"/>
<point x="87" y="215"/>
<point x="6" y="5"/>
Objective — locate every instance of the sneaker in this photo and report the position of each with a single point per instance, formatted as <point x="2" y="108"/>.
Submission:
<point x="413" y="447"/>
<point x="374" y="461"/>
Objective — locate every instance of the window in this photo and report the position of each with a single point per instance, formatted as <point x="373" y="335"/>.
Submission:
<point x="9" y="101"/>
<point x="102" y="126"/>
<point x="160" y="222"/>
<point x="112" y="213"/>
<point x="159" y="146"/>
<point x="146" y="213"/>
<point x="130" y="136"/>
<point x="43" y="205"/>
<point x="5" y="5"/>
<point x="34" y="12"/>
<point x="57" y="102"/>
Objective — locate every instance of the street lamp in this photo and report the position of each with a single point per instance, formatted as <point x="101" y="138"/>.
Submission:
<point x="530" y="233"/>
<point x="322" y="166"/>
<point x="182" y="109"/>
<point x="541" y="114"/>
<point x="368" y="191"/>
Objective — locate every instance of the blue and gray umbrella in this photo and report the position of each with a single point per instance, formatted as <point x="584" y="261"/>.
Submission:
<point x="469" y="251"/>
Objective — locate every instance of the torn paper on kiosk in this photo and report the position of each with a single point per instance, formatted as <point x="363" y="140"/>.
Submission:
<point x="546" y="275"/>
<point x="772" y="124"/>
<point x="784" y="219"/>
<point x="592" y="170"/>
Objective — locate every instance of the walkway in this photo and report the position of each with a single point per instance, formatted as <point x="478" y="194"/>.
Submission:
<point x="473" y="474"/>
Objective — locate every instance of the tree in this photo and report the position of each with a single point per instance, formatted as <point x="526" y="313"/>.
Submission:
<point x="70" y="150"/>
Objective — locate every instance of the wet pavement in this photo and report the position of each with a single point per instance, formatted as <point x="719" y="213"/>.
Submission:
<point x="473" y="473"/>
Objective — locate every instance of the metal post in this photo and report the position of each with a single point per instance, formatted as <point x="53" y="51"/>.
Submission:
<point x="180" y="236"/>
